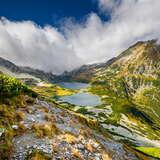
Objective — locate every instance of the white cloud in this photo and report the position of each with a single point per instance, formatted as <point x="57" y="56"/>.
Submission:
<point x="27" y="44"/>
<point x="131" y="20"/>
<point x="95" y="40"/>
<point x="108" y="5"/>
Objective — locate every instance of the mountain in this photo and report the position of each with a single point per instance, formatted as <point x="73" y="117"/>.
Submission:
<point x="84" y="73"/>
<point x="11" y="69"/>
<point x="129" y="87"/>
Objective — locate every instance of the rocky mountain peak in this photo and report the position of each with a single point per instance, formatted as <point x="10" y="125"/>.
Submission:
<point x="141" y="58"/>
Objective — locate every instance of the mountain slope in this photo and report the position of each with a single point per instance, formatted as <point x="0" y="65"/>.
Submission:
<point x="33" y="128"/>
<point x="11" y="69"/>
<point x="131" y="86"/>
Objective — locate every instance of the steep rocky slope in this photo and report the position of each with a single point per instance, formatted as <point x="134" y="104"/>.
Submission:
<point x="135" y="76"/>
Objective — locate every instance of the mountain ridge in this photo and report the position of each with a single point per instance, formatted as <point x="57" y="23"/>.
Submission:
<point x="86" y="72"/>
<point x="25" y="70"/>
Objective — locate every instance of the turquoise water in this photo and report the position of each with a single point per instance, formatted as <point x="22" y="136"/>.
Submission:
<point x="73" y="85"/>
<point x="82" y="99"/>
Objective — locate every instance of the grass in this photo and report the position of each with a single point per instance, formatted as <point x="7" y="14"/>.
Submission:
<point x="76" y="153"/>
<point x="63" y="92"/>
<point x="154" y="152"/>
<point x="14" y="95"/>
<point x="10" y="87"/>
<point x="47" y="129"/>
<point x="10" y="116"/>
<point x="52" y="91"/>
<point x="69" y="138"/>
<point x="89" y="147"/>
<point x="37" y="155"/>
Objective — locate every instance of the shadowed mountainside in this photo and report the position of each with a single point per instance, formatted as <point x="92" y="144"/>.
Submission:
<point x="11" y="69"/>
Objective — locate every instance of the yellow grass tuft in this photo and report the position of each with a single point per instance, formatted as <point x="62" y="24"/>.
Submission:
<point x="47" y="129"/>
<point x="76" y="153"/>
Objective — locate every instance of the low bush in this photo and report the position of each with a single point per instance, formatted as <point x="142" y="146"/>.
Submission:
<point x="10" y="87"/>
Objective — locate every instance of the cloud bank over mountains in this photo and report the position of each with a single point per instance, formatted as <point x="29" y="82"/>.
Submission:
<point x="27" y="44"/>
<point x="94" y="40"/>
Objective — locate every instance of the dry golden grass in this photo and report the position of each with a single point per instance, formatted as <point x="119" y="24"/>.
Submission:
<point x="89" y="147"/>
<point x="76" y="153"/>
<point x="63" y="92"/>
<point x="50" y="117"/>
<point x="20" y="115"/>
<point x="47" y="129"/>
<point x="106" y="157"/>
<point x="52" y="90"/>
<point x="38" y="156"/>
<point x="69" y="138"/>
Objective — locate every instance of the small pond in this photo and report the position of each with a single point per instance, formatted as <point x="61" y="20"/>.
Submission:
<point x="81" y="98"/>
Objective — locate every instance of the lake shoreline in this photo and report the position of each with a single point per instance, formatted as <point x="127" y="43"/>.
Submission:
<point x="79" y="98"/>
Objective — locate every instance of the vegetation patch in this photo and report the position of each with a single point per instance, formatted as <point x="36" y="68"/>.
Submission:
<point x="10" y="87"/>
<point x="14" y="96"/>
<point x="154" y="152"/>
<point x="37" y="155"/>
<point x="47" y="129"/>
<point x="52" y="91"/>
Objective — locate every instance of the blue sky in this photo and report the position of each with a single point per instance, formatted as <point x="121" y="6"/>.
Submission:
<point x="48" y="11"/>
<point x="59" y="35"/>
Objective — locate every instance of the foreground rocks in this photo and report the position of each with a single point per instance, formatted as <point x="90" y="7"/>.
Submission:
<point x="61" y="135"/>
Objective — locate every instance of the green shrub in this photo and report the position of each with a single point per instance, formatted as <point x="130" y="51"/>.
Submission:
<point x="10" y="87"/>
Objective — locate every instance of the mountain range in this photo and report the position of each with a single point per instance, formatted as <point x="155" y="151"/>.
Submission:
<point x="11" y="69"/>
<point x="129" y="88"/>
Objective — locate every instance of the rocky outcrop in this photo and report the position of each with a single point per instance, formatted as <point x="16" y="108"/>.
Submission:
<point x="71" y="139"/>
